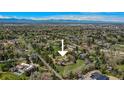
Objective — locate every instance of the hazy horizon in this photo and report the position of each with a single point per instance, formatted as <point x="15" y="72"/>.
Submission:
<point x="92" y="16"/>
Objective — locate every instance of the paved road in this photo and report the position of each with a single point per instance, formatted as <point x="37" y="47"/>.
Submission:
<point x="49" y="67"/>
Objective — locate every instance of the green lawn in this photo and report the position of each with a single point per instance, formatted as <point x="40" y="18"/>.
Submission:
<point x="56" y="48"/>
<point x="121" y="67"/>
<point x="119" y="47"/>
<point x="65" y="70"/>
<point x="11" y="76"/>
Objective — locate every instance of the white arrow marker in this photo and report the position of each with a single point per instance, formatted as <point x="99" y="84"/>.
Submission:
<point x="62" y="53"/>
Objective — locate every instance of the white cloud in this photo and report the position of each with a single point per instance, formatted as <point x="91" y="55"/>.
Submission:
<point x="82" y="17"/>
<point x="71" y="17"/>
<point x="6" y="17"/>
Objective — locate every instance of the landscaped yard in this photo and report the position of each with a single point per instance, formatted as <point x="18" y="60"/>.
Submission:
<point x="11" y="76"/>
<point x="65" y="70"/>
<point x="120" y="67"/>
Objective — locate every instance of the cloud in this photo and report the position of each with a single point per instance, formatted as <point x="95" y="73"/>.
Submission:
<point x="72" y="17"/>
<point x="69" y="17"/>
<point x="4" y="17"/>
<point x="8" y="17"/>
<point x="81" y="17"/>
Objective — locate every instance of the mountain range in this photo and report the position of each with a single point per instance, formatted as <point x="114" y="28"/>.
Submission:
<point x="50" y="21"/>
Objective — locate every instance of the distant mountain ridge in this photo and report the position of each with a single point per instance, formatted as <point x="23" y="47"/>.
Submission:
<point x="30" y="21"/>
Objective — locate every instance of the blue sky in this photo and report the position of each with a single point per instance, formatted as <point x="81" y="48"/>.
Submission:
<point x="95" y="16"/>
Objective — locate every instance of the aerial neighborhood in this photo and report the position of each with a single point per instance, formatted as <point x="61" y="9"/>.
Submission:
<point x="29" y="50"/>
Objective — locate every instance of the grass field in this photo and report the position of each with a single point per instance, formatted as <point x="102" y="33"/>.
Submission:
<point x="65" y="70"/>
<point x="120" y="67"/>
